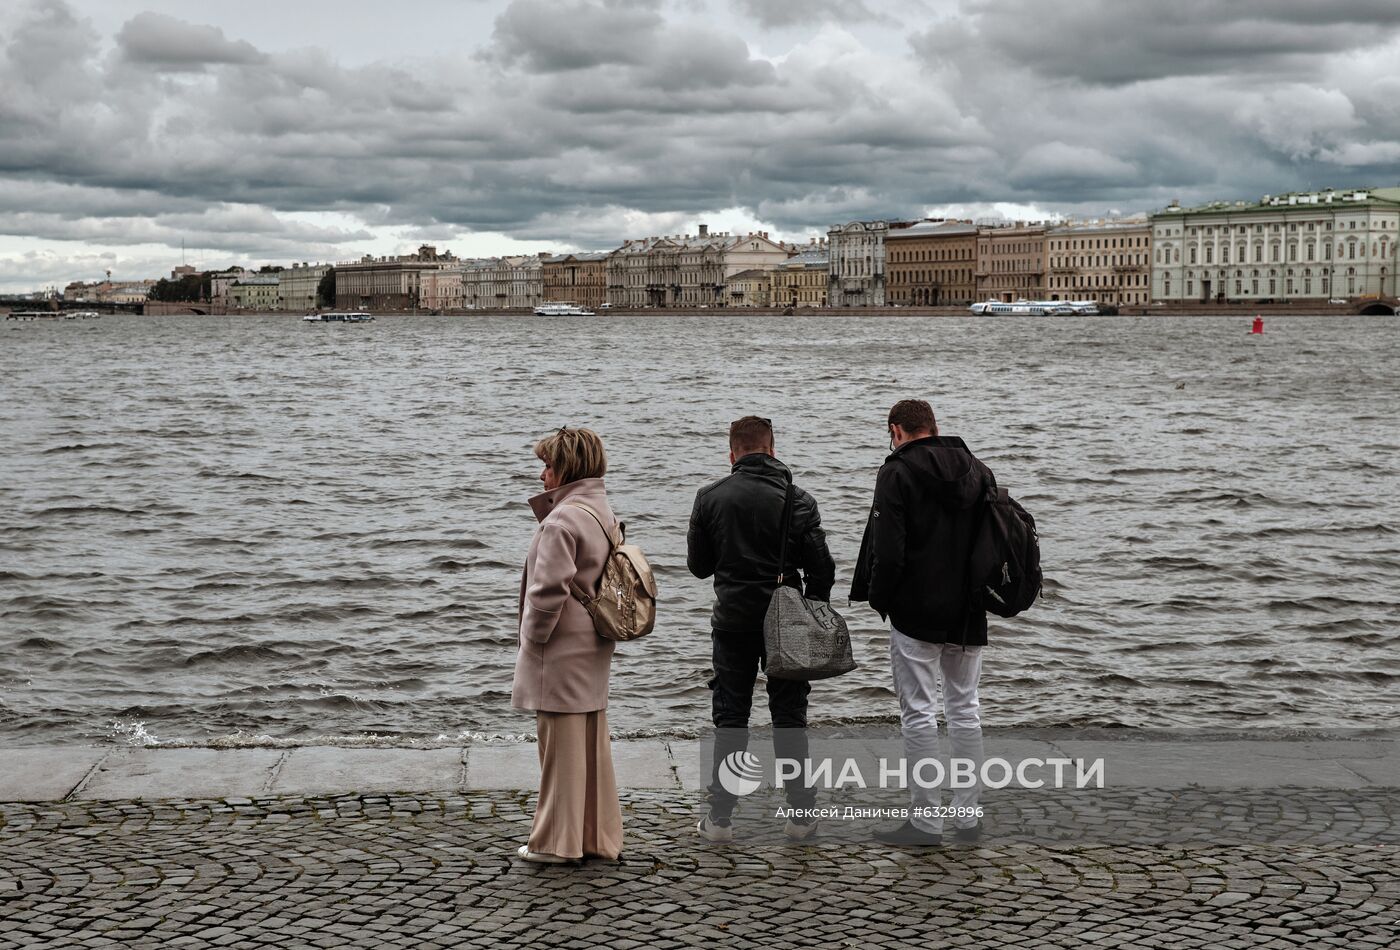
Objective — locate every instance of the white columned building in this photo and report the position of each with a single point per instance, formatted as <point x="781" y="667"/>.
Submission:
<point x="1306" y="245"/>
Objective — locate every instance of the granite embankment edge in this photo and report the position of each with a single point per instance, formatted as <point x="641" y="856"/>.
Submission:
<point x="58" y="773"/>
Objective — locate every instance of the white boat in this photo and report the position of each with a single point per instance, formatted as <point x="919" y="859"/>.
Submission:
<point x="357" y="316"/>
<point x="1020" y="308"/>
<point x="1035" y="308"/>
<point x="562" y="310"/>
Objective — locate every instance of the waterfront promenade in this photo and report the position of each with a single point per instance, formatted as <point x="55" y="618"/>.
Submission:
<point x="1285" y="843"/>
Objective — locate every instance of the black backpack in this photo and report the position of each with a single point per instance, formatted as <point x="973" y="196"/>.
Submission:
<point x="1003" y="565"/>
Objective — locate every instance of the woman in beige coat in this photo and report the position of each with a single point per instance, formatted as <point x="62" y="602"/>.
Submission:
<point x="561" y="671"/>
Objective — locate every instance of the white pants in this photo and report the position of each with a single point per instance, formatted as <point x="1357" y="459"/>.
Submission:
<point x="919" y="668"/>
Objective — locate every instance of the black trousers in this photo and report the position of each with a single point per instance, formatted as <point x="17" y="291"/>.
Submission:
<point x="737" y="659"/>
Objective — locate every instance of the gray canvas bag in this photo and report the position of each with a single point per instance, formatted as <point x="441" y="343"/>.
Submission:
<point x="805" y="639"/>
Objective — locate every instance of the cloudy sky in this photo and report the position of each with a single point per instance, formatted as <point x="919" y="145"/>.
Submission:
<point x="260" y="131"/>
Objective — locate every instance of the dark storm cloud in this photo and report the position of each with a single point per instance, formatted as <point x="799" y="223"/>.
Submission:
<point x="162" y="40"/>
<point x="1124" y="41"/>
<point x="588" y="122"/>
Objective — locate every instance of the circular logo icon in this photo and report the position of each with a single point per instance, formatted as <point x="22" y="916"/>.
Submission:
<point x="740" y="773"/>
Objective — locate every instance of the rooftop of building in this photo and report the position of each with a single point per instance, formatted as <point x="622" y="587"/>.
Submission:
<point x="1109" y="224"/>
<point x="811" y="257"/>
<point x="1346" y="198"/>
<point x="753" y="273"/>
<point x="925" y="229"/>
<point x="582" y="257"/>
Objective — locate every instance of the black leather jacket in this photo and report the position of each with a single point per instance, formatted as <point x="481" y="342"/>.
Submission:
<point x="912" y="565"/>
<point x="733" y="535"/>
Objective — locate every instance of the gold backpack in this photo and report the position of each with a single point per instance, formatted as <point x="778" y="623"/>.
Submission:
<point x="624" y="606"/>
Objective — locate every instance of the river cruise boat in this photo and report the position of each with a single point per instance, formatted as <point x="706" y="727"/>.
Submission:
<point x="32" y="315"/>
<point x="339" y="316"/>
<point x="562" y="310"/>
<point x="1036" y="308"/>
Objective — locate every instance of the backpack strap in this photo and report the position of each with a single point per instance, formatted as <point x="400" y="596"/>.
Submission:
<point x="987" y="496"/>
<point x="615" y="538"/>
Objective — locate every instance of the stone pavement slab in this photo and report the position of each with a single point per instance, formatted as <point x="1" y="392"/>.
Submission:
<point x="44" y="774"/>
<point x="643" y="763"/>
<point x="685" y="758"/>
<point x="181" y="773"/>
<point x="503" y="766"/>
<point x="322" y="770"/>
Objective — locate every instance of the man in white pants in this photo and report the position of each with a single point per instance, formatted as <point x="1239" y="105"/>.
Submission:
<point x="912" y="569"/>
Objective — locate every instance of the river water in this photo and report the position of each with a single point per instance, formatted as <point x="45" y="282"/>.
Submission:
<point x="252" y="530"/>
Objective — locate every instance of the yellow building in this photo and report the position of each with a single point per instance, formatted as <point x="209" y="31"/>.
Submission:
<point x="801" y="281"/>
<point x="748" y="288"/>
<point x="1106" y="261"/>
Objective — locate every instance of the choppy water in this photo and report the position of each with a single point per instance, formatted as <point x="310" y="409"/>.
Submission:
<point x="264" y="530"/>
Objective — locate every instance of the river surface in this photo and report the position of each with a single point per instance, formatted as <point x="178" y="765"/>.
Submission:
<point x="252" y="530"/>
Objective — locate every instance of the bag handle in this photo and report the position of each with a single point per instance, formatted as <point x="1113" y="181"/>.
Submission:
<point x="785" y="529"/>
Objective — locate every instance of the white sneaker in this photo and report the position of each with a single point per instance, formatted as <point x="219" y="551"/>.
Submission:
<point x="539" y="857"/>
<point x="796" y="832"/>
<point x="710" y="829"/>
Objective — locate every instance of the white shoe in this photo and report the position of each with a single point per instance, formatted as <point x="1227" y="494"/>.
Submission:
<point x="711" y="831"/>
<point x="539" y="857"/>
<point x="796" y="832"/>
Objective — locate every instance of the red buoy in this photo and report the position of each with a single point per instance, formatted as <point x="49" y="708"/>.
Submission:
<point x="1258" y="325"/>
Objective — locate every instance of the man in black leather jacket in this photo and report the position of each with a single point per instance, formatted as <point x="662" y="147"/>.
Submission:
<point x="735" y="536"/>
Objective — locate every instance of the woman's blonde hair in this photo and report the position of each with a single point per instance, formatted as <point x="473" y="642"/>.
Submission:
<point x="573" y="454"/>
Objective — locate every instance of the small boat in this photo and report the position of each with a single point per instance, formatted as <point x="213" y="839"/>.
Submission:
<point x="357" y="316"/>
<point x="81" y="315"/>
<point x="562" y="310"/>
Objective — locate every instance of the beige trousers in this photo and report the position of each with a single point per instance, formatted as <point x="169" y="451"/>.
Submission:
<point x="578" y="813"/>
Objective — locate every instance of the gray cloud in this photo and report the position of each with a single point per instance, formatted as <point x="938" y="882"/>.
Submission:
<point x="546" y="36"/>
<point x="165" y="41"/>
<point x="781" y="13"/>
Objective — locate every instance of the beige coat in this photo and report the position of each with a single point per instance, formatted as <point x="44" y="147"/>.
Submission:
<point x="563" y="665"/>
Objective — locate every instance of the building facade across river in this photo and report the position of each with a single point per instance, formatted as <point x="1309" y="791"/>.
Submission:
<point x="1306" y="245"/>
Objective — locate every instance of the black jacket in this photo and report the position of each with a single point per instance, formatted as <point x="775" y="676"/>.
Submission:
<point x="734" y="529"/>
<point x="913" y="559"/>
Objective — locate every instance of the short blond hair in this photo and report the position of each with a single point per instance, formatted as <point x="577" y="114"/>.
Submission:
<point x="573" y="454"/>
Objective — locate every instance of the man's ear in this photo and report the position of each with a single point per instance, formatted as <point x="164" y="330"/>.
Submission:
<point x="732" y="459"/>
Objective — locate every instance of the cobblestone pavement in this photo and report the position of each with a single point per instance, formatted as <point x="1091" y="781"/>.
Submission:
<point x="422" y="872"/>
